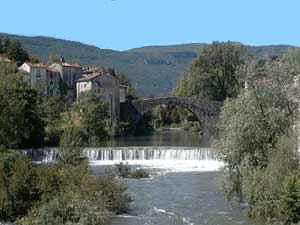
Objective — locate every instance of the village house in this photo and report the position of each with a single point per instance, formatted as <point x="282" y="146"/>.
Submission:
<point x="104" y="81"/>
<point x="69" y="73"/>
<point x="45" y="79"/>
<point x="72" y="80"/>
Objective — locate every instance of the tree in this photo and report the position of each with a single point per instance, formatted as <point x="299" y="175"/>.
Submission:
<point x="90" y="115"/>
<point x="20" y="114"/>
<point x="53" y="107"/>
<point x="131" y="92"/>
<point x="53" y="58"/>
<point x="17" y="192"/>
<point x="14" y="51"/>
<point x="1" y="47"/>
<point x="213" y="75"/>
<point x="257" y="142"/>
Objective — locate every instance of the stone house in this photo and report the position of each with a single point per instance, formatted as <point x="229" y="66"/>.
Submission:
<point x="69" y="73"/>
<point x="104" y="81"/>
<point x="45" y="79"/>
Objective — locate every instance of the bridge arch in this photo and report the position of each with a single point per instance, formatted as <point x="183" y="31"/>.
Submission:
<point x="201" y="109"/>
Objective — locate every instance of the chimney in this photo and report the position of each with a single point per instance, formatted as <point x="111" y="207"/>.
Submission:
<point x="62" y="59"/>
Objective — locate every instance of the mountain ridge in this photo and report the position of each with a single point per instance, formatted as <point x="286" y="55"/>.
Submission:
<point x="153" y="70"/>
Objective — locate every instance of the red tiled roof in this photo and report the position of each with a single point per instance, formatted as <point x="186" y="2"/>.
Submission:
<point x="89" y="77"/>
<point x="37" y="65"/>
<point x="71" y="65"/>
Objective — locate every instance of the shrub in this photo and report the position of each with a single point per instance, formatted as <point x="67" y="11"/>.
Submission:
<point x="70" y="208"/>
<point x="21" y="124"/>
<point x="89" y="115"/>
<point x="123" y="170"/>
<point x="264" y="188"/>
<point x="126" y="171"/>
<point x="291" y="199"/>
<point x="259" y="147"/>
<point x="17" y="190"/>
<point x="56" y="194"/>
<point x="114" y="191"/>
<point x="139" y="173"/>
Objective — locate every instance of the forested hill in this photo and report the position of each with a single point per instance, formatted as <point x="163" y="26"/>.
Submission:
<point x="153" y="70"/>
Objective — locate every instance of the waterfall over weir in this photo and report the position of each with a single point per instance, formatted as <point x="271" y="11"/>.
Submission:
<point x="149" y="153"/>
<point x="174" y="158"/>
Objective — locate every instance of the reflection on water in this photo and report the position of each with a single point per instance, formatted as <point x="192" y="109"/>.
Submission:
<point x="160" y="138"/>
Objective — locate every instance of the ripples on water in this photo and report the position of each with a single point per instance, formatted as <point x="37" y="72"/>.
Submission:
<point x="180" y="198"/>
<point x="183" y="188"/>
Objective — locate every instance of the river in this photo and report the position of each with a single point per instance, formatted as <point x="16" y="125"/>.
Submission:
<point x="184" y="187"/>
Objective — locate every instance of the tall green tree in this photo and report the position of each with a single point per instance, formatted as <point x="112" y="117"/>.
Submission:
<point x="90" y="115"/>
<point x="213" y="75"/>
<point x="258" y="145"/>
<point x="14" y="51"/>
<point x="131" y="92"/>
<point x="53" y="108"/>
<point x="1" y="47"/>
<point x="20" y="114"/>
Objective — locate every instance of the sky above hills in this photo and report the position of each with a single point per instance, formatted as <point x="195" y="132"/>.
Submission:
<point x="125" y="24"/>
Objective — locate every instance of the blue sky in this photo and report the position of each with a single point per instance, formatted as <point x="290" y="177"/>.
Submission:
<point x="124" y="24"/>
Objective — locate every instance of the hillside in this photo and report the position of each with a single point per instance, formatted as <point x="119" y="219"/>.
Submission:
<point x="153" y="70"/>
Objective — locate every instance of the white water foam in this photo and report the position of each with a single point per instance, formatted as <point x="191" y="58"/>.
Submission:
<point x="172" y="214"/>
<point x="168" y="159"/>
<point x="169" y="165"/>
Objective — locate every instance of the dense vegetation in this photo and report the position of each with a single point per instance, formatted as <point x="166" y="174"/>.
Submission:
<point x="257" y="140"/>
<point x="63" y="192"/>
<point x="12" y="49"/>
<point x="127" y="171"/>
<point x="21" y="123"/>
<point x="258" y="143"/>
<point x="172" y="116"/>
<point x="89" y="115"/>
<point x="213" y="75"/>
<point x="152" y="70"/>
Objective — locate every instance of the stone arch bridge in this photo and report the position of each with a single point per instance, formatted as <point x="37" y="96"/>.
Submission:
<point x="200" y="108"/>
<point x="207" y="112"/>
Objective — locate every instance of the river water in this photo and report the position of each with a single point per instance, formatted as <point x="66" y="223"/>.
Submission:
<point x="184" y="186"/>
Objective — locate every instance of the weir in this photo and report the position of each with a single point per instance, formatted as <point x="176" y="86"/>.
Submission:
<point x="168" y="159"/>
<point x="150" y="153"/>
<point x="131" y="154"/>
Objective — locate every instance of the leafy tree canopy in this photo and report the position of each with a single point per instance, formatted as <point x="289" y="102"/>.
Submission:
<point x="212" y="75"/>
<point x="14" y="51"/>
<point x="20" y="115"/>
